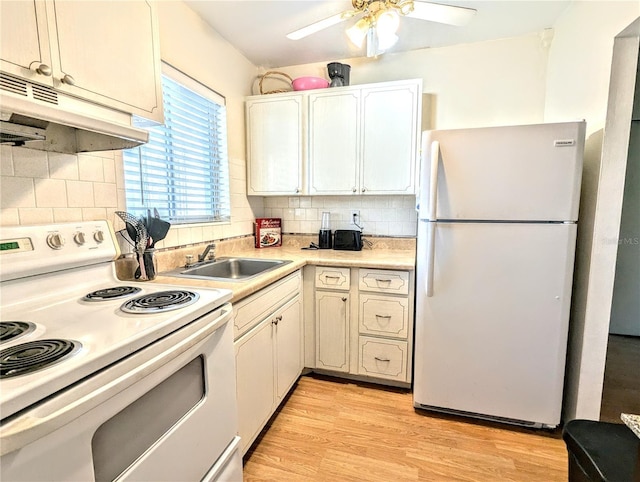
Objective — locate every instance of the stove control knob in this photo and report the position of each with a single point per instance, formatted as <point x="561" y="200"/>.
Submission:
<point x="79" y="238"/>
<point x="55" y="240"/>
<point x="98" y="236"/>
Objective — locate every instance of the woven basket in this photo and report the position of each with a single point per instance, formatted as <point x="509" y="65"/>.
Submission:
<point x="274" y="74"/>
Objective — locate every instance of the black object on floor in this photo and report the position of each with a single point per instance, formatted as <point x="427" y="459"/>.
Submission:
<point x="601" y="451"/>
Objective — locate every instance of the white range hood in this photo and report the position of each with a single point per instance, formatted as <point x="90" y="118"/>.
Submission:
<point x="39" y="117"/>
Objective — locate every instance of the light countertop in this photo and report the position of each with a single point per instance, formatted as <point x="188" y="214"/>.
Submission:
<point x="401" y="259"/>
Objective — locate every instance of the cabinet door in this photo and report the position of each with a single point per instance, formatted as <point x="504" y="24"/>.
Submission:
<point x="24" y="40"/>
<point x="108" y="53"/>
<point x="334" y="130"/>
<point x="254" y="381"/>
<point x="332" y="331"/>
<point x="390" y="139"/>
<point x="274" y="145"/>
<point x="288" y="346"/>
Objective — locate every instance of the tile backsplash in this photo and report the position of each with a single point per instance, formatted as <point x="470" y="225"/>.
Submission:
<point x="47" y="187"/>
<point x="379" y="215"/>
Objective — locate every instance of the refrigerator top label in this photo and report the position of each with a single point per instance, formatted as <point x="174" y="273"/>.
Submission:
<point x="564" y="142"/>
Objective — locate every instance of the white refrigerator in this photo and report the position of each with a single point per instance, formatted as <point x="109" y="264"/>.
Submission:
<point x="498" y="209"/>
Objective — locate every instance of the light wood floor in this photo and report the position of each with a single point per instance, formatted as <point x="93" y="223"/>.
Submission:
<point x="332" y="430"/>
<point x="621" y="391"/>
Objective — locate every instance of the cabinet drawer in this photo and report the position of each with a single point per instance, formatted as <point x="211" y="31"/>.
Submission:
<point x="250" y="311"/>
<point x="384" y="281"/>
<point x="333" y="278"/>
<point x="384" y="315"/>
<point x="382" y="358"/>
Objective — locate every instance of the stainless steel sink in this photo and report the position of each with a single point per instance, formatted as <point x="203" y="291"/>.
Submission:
<point x="228" y="269"/>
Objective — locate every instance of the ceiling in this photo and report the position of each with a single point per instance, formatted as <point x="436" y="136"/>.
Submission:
<point x="258" y="28"/>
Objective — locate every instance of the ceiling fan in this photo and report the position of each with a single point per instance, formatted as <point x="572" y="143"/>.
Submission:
<point x="379" y="21"/>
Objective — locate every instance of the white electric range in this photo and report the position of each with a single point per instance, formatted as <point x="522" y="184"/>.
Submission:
<point x="102" y="379"/>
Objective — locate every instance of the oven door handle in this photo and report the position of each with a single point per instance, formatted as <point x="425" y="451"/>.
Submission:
<point x="78" y="399"/>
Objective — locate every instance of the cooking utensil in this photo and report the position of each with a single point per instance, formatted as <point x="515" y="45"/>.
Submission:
<point x="130" y="223"/>
<point x="157" y="229"/>
<point x="136" y="229"/>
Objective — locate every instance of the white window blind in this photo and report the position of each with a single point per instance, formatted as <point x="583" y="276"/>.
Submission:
<point x="183" y="171"/>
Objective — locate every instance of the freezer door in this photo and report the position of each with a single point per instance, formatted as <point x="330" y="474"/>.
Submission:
<point x="492" y="337"/>
<point x="517" y="173"/>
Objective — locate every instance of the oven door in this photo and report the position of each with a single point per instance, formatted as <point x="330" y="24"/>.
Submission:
<point x="165" y="413"/>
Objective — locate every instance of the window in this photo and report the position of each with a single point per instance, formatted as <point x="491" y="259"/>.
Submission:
<point x="183" y="170"/>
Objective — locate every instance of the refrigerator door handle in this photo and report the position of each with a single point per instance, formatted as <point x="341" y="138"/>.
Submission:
<point x="431" y="258"/>
<point x="433" y="180"/>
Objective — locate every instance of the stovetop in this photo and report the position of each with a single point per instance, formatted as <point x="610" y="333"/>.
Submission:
<point x="100" y="330"/>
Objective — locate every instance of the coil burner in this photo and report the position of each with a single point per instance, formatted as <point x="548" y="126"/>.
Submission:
<point x="160" y="302"/>
<point x="35" y="355"/>
<point x="107" y="294"/>
<point x="10" y="330"/>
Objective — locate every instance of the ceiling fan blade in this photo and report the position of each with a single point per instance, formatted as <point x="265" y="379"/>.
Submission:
<point x="321" y="25"/>
<point x="436" y="12"/>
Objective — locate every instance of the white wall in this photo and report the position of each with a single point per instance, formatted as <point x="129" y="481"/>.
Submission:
<point x="578" y="87"/>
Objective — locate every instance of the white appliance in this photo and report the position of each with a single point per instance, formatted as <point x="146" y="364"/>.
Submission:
<point x="496" y="239"/>
<point x="102" y="379"/>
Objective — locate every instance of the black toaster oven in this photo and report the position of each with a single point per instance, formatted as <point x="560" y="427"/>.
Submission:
<point x="347" y="240"/>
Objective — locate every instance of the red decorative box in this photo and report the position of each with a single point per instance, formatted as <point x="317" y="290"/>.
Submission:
<point x="268" y="232"/>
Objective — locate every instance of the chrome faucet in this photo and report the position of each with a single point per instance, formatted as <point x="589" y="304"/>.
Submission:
<point x="203" y="256"/>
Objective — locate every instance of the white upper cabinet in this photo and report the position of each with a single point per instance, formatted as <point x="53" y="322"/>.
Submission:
<point x="274" y="145"/>
<point x="103" y="51"/>
<point x="24" y="41"/>
<point x="360" y="139"/>
<point x="390" y="130"/>
<point x="364" y="139"/>
<point x="334" y="147"/>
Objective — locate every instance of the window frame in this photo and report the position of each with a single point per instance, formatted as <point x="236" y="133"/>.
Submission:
<point x="221" y="197"/>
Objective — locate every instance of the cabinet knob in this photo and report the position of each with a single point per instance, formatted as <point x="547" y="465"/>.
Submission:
<point x="44" y="69"/>
<point x="364" y="189"/>
<point x="297" y="190"/>
<point x="67" y="79"/>
<point x="344" y="298"/>
<point x="353" y="189"/>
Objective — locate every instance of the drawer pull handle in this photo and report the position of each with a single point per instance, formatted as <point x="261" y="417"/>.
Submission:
<point x="383" y="316"/>
<point x="331" y="277"/>
<point x="381" y="359"/>
<point x="383" y="280"/>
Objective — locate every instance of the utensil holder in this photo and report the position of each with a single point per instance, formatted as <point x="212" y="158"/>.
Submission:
<point x="147" y="264"/>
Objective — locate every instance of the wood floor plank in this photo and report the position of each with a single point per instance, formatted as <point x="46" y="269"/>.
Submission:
<point x="335" y="430"/>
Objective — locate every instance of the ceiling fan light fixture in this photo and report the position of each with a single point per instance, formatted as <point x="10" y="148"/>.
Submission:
<point x="405" y="7"/>
<point x="387" y="23"/>
<point x="358" y="31"/>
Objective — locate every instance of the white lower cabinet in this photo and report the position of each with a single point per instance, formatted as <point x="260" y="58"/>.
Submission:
<point x="332" y="330"/>
<point x="268" y="353"/>
<point x="364" y="323"/>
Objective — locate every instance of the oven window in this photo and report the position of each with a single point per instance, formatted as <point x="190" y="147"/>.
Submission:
<point x="122" y="439"/>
